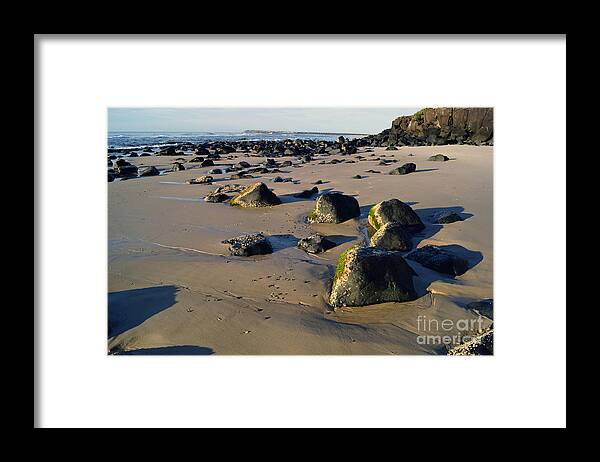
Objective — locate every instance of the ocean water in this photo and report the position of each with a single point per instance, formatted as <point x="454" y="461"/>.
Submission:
<point x="140" y="140"/>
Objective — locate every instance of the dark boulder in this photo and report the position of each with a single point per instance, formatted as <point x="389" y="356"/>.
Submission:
<point x="395" y="211"/>
<point x="207" y="163"/>
<point x="128" y="171"/>
<point x="148" y="171"/>
<point x="439" y="259"/>
<point x="216" y="197"/>
<point x="249" y="244"/>
<point x="256" y="195"/>
<point x="307" y="193"/>
<point x="205" y="179"/>
<point x="243" y="164"/>
<point x="367" y="275"/>
<point x="111" y="177"/>
<point x="177" y="167"/>
<point x="439" y="158"/>
<point x="447" y="217"/>
<point x="121" y="163"/>
<point x="316" y="244"/>
<point x="392" y="236"/>
<point x="197" y="160"/>
<point x="215" y="171"/>
<point x="334" y="208"/>
<point x="404" y="169"/>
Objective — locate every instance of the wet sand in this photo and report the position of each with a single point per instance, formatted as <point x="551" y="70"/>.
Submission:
<point x="174" y="289"/>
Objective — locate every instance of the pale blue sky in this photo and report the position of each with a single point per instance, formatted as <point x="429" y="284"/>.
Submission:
<point x="350" y="120"/>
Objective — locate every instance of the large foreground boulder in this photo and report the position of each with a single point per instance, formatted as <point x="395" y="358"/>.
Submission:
<point x="391" y="236"/>
<point x="394" y="211"/>
<point x="439" y="259"/>
<point x="316" y="244"/>
<point x="367" y="275"/>
<point x="249" y="244"/>
<point x="256" y="195"/>
<point x="334" y="208"/>
<point x="404" y="169"/>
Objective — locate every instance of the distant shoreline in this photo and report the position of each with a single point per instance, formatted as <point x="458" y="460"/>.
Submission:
<point x="244" y="132"/>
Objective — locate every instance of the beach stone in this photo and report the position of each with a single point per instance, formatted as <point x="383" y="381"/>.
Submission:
<point x="357" y="177"/>
<point x="205" y="179"/>
<point x="286" y="163"/>
<point x="121" y="163"/>
<point x="480" y="345"/>
<point x="316" y="244"/>
<point x="168" y="151"/>
<point x="440" y="260"/>
<point x="243" y="164"/>
<point x="111" y="177"/>
<point x="395" y="211"/>
<point x="404" y="169"/>
<point x="256" y="195"/>
<point x="207" y="163"/>
<point x="249" y="244"/>
<point x="368" y="275"/>
<point x="197" y="159"/>
<point x="177" y="167"/>
<point x="318" y="182"/>
<point x="447" y="217"/>
<point x="148" y="171"/>
<point x="277" y="179"/>
<point x="391" y="148"/>
<point x="307" y="193"/>
<point x="439" y="158"/>
<point x="484" y="307"/>
<point x="126" y="170"/>
<point x="133" y="154"/>
<point x="216" y="197"/>
<point x="201" y="151"/>
<point x="334" y="208"/>
<point x="215" y="171"/>
<point x="391" y="236"/>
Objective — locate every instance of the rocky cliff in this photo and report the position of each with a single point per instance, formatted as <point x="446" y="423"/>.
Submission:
<point x="434" y="126"/>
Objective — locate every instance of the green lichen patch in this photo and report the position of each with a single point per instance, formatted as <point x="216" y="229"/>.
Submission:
<point x="312" y="216"/>
<point x="372" y="218"/>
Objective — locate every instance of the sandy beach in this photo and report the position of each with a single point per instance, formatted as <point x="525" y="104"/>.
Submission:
<point x="174" y="288"/>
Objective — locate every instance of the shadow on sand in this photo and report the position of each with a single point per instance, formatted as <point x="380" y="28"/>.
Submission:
<point x="426" y="276"/>
<point x="130" y="308"/>
<point x="183" y="350"/>
<point x="288" y="198"/>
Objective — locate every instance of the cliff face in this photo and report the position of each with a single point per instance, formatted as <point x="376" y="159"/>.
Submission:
<point x="446" y="125"/>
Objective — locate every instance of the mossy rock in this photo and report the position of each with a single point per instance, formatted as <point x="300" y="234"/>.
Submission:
<point x="256" y="195"/>
<point x="394" y="211"/>
<point x="334" y="208"/>
<point x="367" y="275"/>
